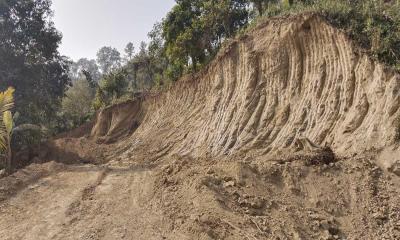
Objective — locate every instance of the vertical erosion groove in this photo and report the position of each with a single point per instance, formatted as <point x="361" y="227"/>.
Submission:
<point x="290" y="80"/>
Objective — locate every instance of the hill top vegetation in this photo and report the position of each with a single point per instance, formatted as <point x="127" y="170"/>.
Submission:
<point x="192" y="33"/>
<point x="57" y="93"/>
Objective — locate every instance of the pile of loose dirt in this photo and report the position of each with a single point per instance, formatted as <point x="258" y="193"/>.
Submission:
<point x="290" y="133"/>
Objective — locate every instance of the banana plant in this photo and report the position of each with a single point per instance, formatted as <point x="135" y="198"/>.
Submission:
<point x="6" y="125"/>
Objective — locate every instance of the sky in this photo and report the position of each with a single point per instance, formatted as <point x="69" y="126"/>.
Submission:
<point x="88" y="25"/>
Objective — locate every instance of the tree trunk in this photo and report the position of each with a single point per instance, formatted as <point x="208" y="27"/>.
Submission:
<point x="260" y="8"/>
<point x="194" y="63"/>
<point x="9" y="167"/>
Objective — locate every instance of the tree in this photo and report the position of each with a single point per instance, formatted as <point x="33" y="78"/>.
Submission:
<point x="262" y="5"/>
<point x="129" y="51"/>
<point x="77" y="102"/>
<point x="85" y="68"/>
<point x="144" y="72"/>
<point x="221" y="20"/>
<point x="8" y="128"/>
<point x="109" y="59"/>
<point x="30" y="61"/>
<point x="111" y="88"/>
<point x="147" y="66"/>
<point x="259" y="5"/>
<point x="182" y="33"/>
<point x="194" y="30"/>
<point x="114" y="84"/>
<point x="157" y="55"/>
<point x="88" y="76"/>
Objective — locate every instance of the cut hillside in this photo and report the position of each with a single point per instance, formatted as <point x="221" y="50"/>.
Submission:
<point x="286" y="80"/>
<point x="292" y="132"/>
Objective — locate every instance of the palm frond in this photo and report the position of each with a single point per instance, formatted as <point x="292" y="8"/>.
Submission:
<point x="8" y="122"/>
<point x="6" y="104"/>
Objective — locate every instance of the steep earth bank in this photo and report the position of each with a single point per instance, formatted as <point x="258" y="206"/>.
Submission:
<point x="290" y="133"/>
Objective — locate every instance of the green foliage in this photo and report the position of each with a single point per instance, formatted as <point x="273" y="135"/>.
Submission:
<point x="112" y="87"/>
<point x="30" y="62"/>
<point x="8" y="128"/>
<point x="99" y="100"/>
<point x="77" y="102"/>
<point x="8" y="122"/>
<point x="114" y="84"/>
<point x="194" y="30"/>
<point x="157" y="58"/>
<point x="262" y="5"/>
<point x="129" y="51"/>
<point x="109" y="59"/>
<point x="146" y="69"/>
<point x="85" y="68"/>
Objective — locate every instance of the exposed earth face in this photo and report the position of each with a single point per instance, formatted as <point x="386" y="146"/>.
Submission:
<point x="290" y="133"/>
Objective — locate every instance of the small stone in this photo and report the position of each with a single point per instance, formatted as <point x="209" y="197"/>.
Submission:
<point x="210" y="171"/>
<point x="395" y="168"/>
<point x="379" y="216"/>
<point x="2" y="173"/>
<point x="204" y="219"/>
<point x="229" y="184"/>
<point x="324" y="224"/>
<point x="257" y="204"/>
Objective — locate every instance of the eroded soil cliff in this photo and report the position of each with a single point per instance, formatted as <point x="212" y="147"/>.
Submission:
<point x="290" y="133"/>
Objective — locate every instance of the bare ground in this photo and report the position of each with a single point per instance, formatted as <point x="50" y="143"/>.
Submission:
<point x="185" y="198"/>
<point x="83" y="202"/>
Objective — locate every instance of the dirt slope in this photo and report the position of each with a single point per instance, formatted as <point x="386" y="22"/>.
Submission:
<point x="291" y="133"/>
<point x="288" y="79"/>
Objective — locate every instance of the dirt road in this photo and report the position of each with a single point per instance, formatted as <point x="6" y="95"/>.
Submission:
<point x="83" y="203"/>
<point x="184" y="198"/>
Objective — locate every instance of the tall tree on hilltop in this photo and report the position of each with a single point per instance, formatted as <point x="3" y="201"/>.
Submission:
<point x="194" y="30"/>
<point x="156" y="52"/>
<point x="82" y="67"/>
<point x="29" y="59"/>
<point x="129" y="51"/>
<point x="109" y="59"/>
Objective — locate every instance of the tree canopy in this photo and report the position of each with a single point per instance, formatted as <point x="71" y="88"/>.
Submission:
<point x="109" y="59"/>
<point x="30" y="61"/>
<point x="194" y="30"/>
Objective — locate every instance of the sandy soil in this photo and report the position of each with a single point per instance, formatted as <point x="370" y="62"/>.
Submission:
<point x="186" y="198"/>
<point x="84" y="202"/>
